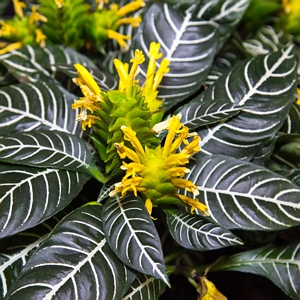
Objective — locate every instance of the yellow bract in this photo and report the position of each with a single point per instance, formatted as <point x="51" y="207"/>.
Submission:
<point x="18" y="7"/>
<point x="153" y="76"/>
<point x="157" y="173"/>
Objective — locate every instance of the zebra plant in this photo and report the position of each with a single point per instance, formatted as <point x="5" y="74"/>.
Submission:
<point x="190" y="145"/>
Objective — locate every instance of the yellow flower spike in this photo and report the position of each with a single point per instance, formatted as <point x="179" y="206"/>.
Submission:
<point x="132" y="169"/>
<point x="11" y="47"/>
<point x="89" y="121"/>
<point x="174" y="126"/>
<point x="120" y="38"/>
<point x="130" y="7"/>
<point x="162" y="70"/>
<point x="185" y="184"/>
<point x="149" y="206"/>
<point x="157" y="173"/>
<point x="298" y="97"/>
<point x="6" y="29"/>
<point x="40" y="38"/>
<point x="36" y="17"/>
<point x="194" y="204"/>
<point x="18" y="7"/>
<point x="153" y="56"/>
<point x="124" y="152"/>
<point x="130" y="135"/>
<point x="133" y="21"/>
<point x="122" y="70"/>
<point x="59" y="3"/>
<point x="85" y="78"/>
<point x="136" y="61"/>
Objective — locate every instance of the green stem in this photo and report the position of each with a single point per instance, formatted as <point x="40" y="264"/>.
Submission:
<point x="284" y="161"/>
<point x="174" y="255"/>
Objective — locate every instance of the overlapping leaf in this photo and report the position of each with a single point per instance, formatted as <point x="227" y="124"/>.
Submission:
<point x="144" y="288"/>
<point x="227" y="14"/>
<point x="194" y="233"/>
<point x="39" y="105"/>
<point x="74" y="262"/>
<point x="46" y="148"/>
<point x="197" y="114"/>
<point x="278" y="264"/>
<point x="15" y="252"/>
<point x="265" y="87"/>
<point x="32" y="63"/>
<point x="292" y="122"/>
<point x="131" y="234"/>
<point x="242" y="195"/>
<point x="189" y="44"/>
<point x="267" y="39"/>
<point x="29" y="196"/>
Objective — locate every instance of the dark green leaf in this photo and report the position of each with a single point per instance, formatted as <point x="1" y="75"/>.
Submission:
<point x="292" y="122"/>
<point x="29" y="196"/>
<point x="144" y="288"/>
<point x="227" y="14"/>
<point x="32" y="63"/>
<point x="46" y="148"/>
<point x="194" y="233"/>
<point x="39" y="105"/>
<point x="242" y="195"/>
<point x="74" y="262"/>
<point x="267" y="39"/>
<point x="278" y="264"/>
<point x="132" y="236"/>
<point x="265" y="87"/>
<point x="189" y="44"/>
<point x="196" y="114"/>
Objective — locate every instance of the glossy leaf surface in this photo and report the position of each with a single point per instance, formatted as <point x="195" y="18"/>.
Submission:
<point x="74" y="262"/>
<point x="242" y="195"/>
<point x="131" y="234"/>
<point x="194" y="233"/>
<point x="29" y="196"/>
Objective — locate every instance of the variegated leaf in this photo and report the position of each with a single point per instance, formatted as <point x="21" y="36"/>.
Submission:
<point x="196" y="114"/>
<point x="11" y="264"/>
<point x="15" y="252"/>
<point x="144" y="288"/>
<point x="242" y="195"/>
<point x="194" y="233"/>
<point x="34" y="106"/>
<point x="258" y="86"/>
<point x="280" y="264"/>
<point x="292" y="122"/>
<point x="132" y="236"/>
<point x="33" y="63"/>
<point x="46" y="148"/>
<point x="189" y="45"/>
<point x="267" y="39"/>
<point x="227" y="14"/>
<point x="74" y="262"/>
<point x="29" y="196"/>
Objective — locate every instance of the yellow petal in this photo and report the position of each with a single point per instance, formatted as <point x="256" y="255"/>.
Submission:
<point x="194" y="204"/>
<point x="130" y="135"/>
<point x="87" y="78"/>
<point x="130" y="7"/>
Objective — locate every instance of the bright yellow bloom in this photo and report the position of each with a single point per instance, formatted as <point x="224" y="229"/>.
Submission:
<point x="6" y="29"/>
<point x="153" y="76"/>
<point x="133" y="21"/>
<point x="36" y="17"/>
<point x="130" y="7"/>
<point x="11" y="47"/>
<point x="157" y="173"/>
<point x="118" y="37"/>
<point x="92" y="97"/>
<point x="18" y="7"/>
<point x="59" y="3"/>
<point x="40" y="38"/>
<point x="298" y="97"/>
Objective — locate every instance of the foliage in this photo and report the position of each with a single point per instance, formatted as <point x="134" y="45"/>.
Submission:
<point x="111" y="170"/>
